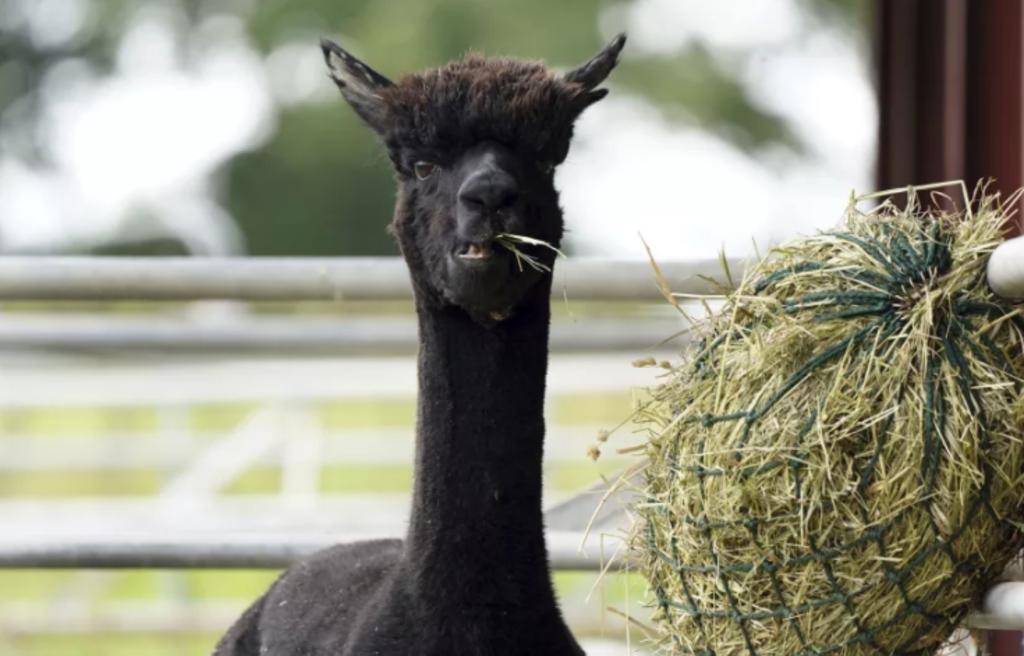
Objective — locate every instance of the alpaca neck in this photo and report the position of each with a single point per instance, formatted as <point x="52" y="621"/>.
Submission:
<point x="476" y="534"/>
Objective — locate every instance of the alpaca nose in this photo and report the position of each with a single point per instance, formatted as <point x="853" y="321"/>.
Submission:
<point x="489" y="191"/>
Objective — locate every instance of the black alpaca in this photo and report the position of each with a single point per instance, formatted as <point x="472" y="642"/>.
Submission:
<point x="474" y="145"/>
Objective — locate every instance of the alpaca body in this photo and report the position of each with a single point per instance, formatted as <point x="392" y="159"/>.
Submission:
<point x="474" y="579"/>
<point x="474" y="145"/>
<point x="352" y="600"/>
<point x="317" y="604"/>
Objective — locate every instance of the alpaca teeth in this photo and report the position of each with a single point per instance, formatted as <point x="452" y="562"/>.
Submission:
<point x="477" y="252"/>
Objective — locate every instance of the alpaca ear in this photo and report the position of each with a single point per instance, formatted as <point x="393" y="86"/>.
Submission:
<point x="597" y="69"/>
<point x="590" y="98"/>
<point x="360" y="85"/>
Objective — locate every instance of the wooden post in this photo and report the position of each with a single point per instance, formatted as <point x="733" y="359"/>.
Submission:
<point x="921" y="50"/>
<point x="995" y="92"/>
<point x="951" y="100"/>
<point x="951" y="92"/>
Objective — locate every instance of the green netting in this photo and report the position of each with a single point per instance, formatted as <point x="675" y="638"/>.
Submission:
<point x="837" y="467"/>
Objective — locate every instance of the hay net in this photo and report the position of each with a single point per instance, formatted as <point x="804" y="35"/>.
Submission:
<point x="837" y="467"/>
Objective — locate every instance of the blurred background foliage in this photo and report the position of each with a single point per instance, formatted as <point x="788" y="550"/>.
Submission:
<point x="317" y="184"/>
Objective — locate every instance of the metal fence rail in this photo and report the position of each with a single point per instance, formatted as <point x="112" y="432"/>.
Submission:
<point x="361" y="278"/>
<point x="248" y="551"/>
<point x="1001" y="609"/>
<point x="296" y="279"/>
<point x="247" y="333"/>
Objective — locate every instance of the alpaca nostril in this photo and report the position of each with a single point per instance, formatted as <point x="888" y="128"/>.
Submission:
<point x="472" y="202"/>
<point x="490" y="191"/>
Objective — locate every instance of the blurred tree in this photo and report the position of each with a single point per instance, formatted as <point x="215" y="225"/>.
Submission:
<point x="320" y="185"/>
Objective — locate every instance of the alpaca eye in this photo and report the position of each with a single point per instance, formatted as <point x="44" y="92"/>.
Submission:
<point x="424" y="169"/>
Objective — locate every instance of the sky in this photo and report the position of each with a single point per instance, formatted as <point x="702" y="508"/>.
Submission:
<point x="145" y="141"/>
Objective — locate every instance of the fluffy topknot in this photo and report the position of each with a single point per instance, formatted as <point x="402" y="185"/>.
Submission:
<point x="518" y="103"/>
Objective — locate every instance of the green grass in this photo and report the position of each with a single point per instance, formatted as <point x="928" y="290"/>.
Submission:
<point x="231" y="584"/>
<point x="52" y="484"/>
<point x="614" y="586"/>
<point x="111" y="644"/>
<point x="576" y="477"/>
<point x="366" y="413"/>
<point x="258" y="480"/>
<point x="369" y="413"/>
<point x="228" y="584"/>
<point x="241" y="586"/>
<point x="31" y="584"/>
<point x="335" y="415"/>
<point x="334" y="479"/>
<point x="600" y="409"/>
<point x="133" y="584"/>
<point x="218" y="417"/>
<point x="78" y="421"/>
<point x="42" y="585"/>
<point x="352" y="478"/>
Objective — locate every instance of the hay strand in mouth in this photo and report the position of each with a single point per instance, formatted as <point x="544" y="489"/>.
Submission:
<point x="511" y="242"/>
<point x="837" y="466"/>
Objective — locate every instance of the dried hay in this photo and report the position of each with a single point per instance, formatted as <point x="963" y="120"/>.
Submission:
<point x="839" y="466"/>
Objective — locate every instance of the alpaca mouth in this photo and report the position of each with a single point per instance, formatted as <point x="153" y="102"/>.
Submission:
<point x="477" y="252"/>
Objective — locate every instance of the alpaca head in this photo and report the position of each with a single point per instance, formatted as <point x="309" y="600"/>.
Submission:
<point x="474" y="145"/>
